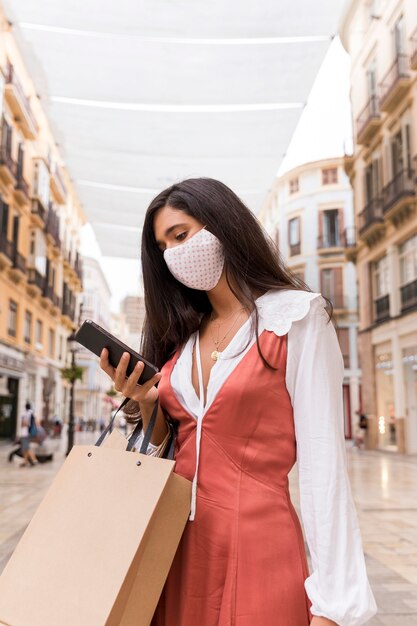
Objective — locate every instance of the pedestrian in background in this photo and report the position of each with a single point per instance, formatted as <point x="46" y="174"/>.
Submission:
<point x="29" y="433"/>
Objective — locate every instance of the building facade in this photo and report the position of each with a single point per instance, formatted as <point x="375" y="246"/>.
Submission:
<point x="90" y="392"/>
<point x="381" y="38"/>
<point x="40" y="268"/>
<point x="309" y="213"/>
<point x="133" y="311"/>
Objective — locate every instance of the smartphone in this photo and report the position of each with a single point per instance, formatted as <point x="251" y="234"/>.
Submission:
<point x="94" y="338"/>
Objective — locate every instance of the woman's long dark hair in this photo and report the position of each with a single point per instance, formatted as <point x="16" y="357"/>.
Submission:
<point x="253" y="265"/>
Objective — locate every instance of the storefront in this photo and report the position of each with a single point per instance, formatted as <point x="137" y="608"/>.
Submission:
<point x="385" y="394"/>
<point x="409" y="359"/>
<point x="11" y="374"/>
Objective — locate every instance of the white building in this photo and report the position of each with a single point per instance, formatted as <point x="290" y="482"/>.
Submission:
<point x="309" y="214"/>
<point x="90" y="393"/>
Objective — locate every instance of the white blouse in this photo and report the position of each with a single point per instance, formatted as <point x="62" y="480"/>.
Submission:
<point x="338" y="586"/>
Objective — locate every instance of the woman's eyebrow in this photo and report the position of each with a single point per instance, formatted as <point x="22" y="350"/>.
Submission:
<point x="171" y="228"/>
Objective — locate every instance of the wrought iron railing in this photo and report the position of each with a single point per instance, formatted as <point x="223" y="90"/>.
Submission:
<point x="39" y="209"/>
<point x="370" y="215"/>
<point x="398" y="70"/>
<point x="369" y="112"/>
<point x="12" y="79"/>
<point x="330" y="241"/>
<point x="409" y="296"/>
<point x="403" y="184"/>
<point x="381" y="308"/>
<point x="36" y="278"/>
<point x="6" y="246"/>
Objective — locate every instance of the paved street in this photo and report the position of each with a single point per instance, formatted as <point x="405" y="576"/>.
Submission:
<point x="384" y="487"/>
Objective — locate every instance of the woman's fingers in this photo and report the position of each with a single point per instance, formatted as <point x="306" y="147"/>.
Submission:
<point x="105" y="365"/>
<point x="120" y="374"/>
<point x="132" y="388"/>
<point x="128" y="386"/>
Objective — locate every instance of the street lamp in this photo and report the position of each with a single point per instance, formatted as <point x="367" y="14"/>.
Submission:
<point x="72" y="346"/>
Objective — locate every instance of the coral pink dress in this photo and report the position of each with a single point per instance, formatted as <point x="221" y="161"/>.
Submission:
<point x="242" y="560"/>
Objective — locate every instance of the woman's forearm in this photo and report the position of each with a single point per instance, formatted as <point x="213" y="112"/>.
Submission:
<point x="161" y="429"/>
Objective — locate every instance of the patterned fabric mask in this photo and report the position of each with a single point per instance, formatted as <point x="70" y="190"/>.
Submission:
<point x="197" y="263"/>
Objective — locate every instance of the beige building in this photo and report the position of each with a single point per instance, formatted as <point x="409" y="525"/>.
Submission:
<point x="381" y="38"/>
<point x="133" y="310"/>
<point x="40" y="267"/>
<point x="90" y="395"/>
<point x="309" y="214"/>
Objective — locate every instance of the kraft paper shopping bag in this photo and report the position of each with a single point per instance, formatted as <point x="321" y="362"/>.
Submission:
<point x="99" y="548"/>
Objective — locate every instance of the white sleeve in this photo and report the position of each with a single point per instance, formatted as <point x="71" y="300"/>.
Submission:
<point x="338" y="586"/>
<point x="151" y="447"/>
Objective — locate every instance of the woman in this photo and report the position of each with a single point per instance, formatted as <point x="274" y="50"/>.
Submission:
<point x="252" y="373"/>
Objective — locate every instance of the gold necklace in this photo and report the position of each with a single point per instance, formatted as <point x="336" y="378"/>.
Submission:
<point x="215" y="354"/>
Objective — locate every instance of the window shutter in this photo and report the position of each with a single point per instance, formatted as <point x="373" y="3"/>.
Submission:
<point x="320" y="228"/>
<point x="341" y="224"/>
<point x="338" y="287"/>
<point x="343" y="337"/>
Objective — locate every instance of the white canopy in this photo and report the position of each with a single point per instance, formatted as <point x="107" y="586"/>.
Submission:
<point x="143" y="94"/>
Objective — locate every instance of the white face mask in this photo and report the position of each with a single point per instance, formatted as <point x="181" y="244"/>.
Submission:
<point x="197" y="263"/>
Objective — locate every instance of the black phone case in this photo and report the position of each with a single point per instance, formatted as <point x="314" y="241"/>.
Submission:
<point x="94" y="338"/>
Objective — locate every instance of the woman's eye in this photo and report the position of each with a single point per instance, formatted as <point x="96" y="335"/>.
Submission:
<point x="180" y="236"/>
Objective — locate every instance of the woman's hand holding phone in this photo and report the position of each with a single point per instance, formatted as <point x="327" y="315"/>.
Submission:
<point x="146" y="395"/>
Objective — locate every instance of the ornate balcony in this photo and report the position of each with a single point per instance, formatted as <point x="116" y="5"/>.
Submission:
<point x="68" y="310"/>
<point x="19" y="104"/>
<point x="371" y="221"/>
<point x="350" y="244"/>
<point x="78" y="267"/>
<point x="399" y="196"/>
<point x="368" y="121"/>
<point x="381" y="309"/>
<point x="21" y="191"/>
<point x="8" y="166"/>
<point x="39" y="213"/>
<point x="57" y="186"/>
<point x="330" y="244"/>
<point x="36" y="279"/>
<point x="48" y="292"/>
<point x="395" y="83"/>
<point x="6" y="252"/>
<point x="413" y="48"/>
<point x="409" y="296"/>
<point x="18" y="270"/>
<point x="52" y="227"/>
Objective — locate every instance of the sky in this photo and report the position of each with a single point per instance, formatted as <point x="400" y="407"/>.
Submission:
<point x="322" y="132"/>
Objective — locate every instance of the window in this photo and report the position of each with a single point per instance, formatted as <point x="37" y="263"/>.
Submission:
<point x="294" y="236"/>
<point x="343" y="337"/>
<point x="41" y="182"/>
<point x="329" y="175"/>
<point x="372" y="83"/>
<point x="12" y="321"/>
<point x="381" y="277"/>
<point x="330" y="227"/>
<point x="408" y="260"/>
<point x="399" y="36"/>
<point x="331" y="284"/>
<point x="28" y="327"/>
<point x="39" y="333"/>
<point x="51" y="342"/>
<point x="294" y="185"/>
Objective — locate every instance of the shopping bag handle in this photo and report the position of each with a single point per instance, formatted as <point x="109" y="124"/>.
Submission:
<point x="147" y="435"/>
<point x="138" y="429"/>
<point x="110" y="425"/>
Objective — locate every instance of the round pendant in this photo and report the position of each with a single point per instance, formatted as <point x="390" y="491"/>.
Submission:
<point x="215" y="355"/>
